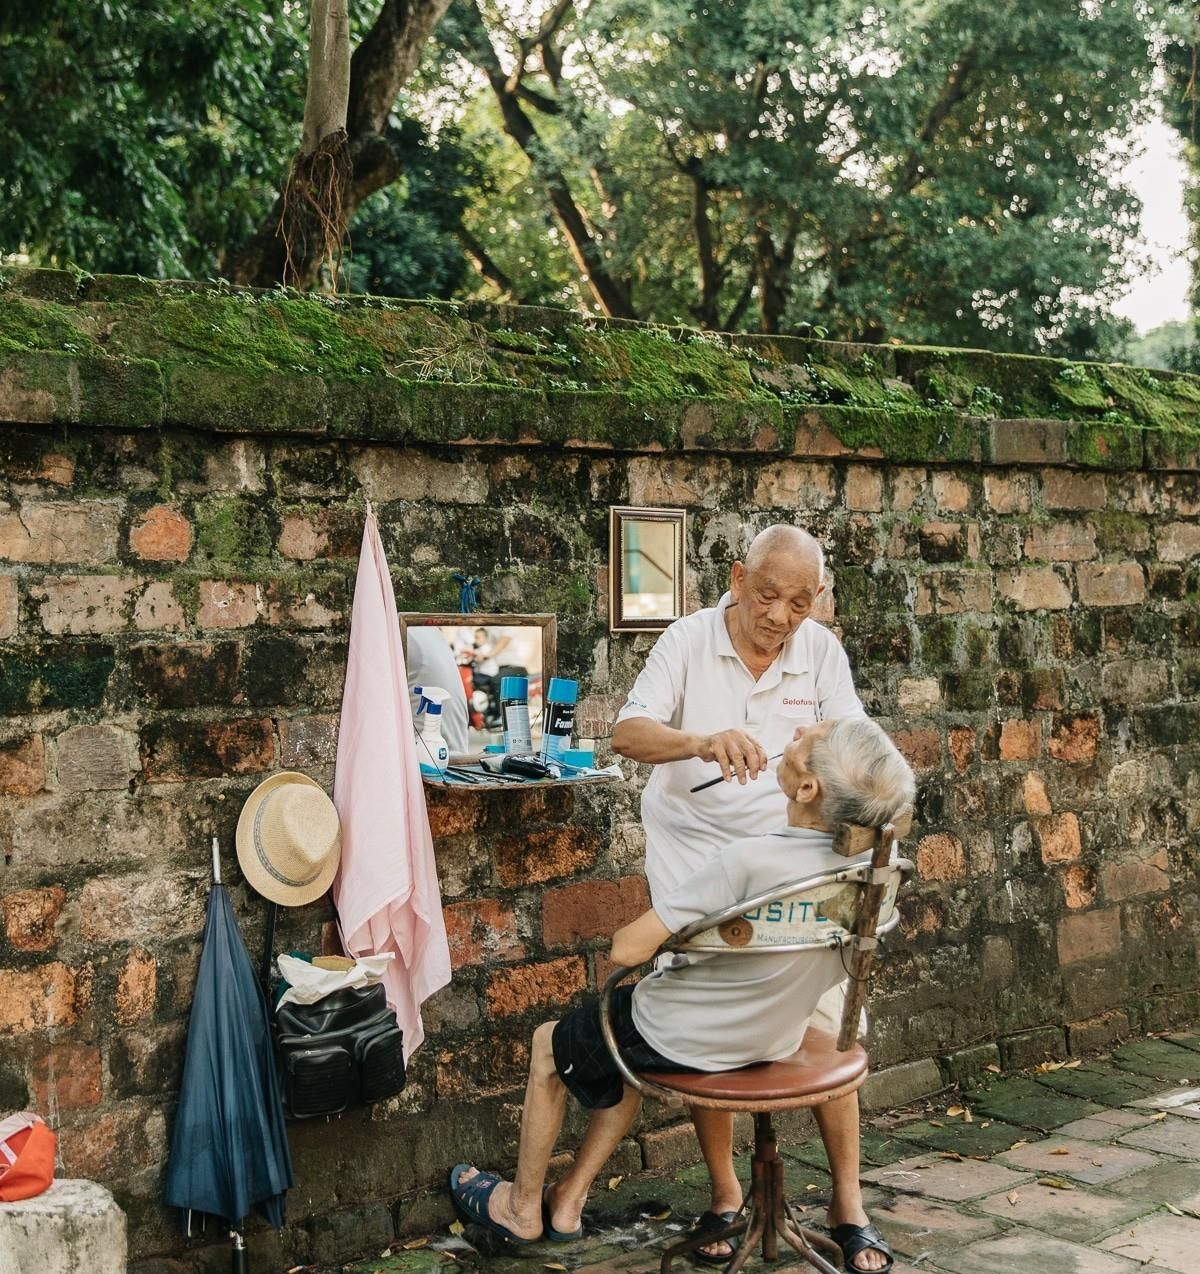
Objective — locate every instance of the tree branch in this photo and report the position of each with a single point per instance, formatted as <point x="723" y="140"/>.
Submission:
<point x="482" y="260"/>
<point x="953" y="91"/>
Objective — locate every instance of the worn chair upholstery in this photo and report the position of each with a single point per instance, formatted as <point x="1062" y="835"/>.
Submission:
<point x="856" y="906"/>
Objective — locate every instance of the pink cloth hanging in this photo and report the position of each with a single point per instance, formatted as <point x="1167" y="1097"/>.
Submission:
<point x="386" y="890"/>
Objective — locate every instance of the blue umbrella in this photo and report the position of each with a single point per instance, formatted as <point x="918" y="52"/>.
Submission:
<point x="229" y="1149"/>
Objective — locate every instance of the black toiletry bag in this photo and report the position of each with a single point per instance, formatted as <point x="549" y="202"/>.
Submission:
<point x="344" y="1050"/>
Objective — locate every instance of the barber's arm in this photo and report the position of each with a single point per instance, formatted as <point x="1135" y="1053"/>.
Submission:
<point x="636" y="942"/>
<point x="739" y="754"/>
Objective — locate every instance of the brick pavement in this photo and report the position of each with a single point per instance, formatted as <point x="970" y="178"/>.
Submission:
<point x="1083" y="1167"/>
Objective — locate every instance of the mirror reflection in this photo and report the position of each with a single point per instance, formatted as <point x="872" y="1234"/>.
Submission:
<point x="468" y="656"/>
<point x="647" y="568"/>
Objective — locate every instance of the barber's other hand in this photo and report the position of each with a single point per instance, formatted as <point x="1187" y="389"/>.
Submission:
<point x="739" y="755"/>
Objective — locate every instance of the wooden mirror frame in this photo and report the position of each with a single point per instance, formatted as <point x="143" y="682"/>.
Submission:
<point x="618" y="516"/>
<point x="488" y="619"/>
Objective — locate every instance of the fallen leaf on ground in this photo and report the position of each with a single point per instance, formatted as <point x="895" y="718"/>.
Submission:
<point x="987" y="1123"/>
<point x="412" y="1244"/>
<point x="810" y="1186"/>
<point x="955" y="1110"/>
<point x="968" y="1118"/>
<point x="613" y="1182"/>
<point x="1055" y="1183"/>
<point x="1013" y="1197"/>
<point x="1060" y="1150"/>
<point x="554" y="1265"/>
<point x="952" y="1154"/>
<point x="661" y="1216"/>
<point x="991" y="1066"/>
<point x="1162" y="1114"/>
<point x="933" y="1123"/>
<point x="1070" y="1066"/>
<point x="456" y="1227"/>
<point x="1172" y="1209"/>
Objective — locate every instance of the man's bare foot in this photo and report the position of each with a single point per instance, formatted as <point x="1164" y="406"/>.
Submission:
<point x="869" y="1259"/>
<point x="501" y="1210"/>
<point x="721" y="1249"/>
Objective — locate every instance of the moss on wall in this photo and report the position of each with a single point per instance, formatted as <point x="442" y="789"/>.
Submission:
<point x="207" y="355"/>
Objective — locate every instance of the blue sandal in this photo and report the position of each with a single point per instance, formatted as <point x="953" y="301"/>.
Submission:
<point x="471" y="1199"/>
<point x="548" y="1230"/>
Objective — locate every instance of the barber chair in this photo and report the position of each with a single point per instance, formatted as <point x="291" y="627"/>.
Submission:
<point x="851" y="909"/>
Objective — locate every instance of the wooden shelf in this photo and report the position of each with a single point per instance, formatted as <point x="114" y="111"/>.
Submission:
<point x="526" y="785"/>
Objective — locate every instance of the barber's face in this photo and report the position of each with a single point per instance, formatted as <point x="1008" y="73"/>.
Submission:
<point x="774" y="599"/>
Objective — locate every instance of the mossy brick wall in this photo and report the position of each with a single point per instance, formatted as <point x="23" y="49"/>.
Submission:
<point x="1013" y="546"/>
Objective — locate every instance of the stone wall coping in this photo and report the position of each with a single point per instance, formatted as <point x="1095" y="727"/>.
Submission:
<point x="114" y="352"/>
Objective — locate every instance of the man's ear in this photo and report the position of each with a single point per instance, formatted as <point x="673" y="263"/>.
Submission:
<point x="808" y="789"/>
<point x="737" y="577"/>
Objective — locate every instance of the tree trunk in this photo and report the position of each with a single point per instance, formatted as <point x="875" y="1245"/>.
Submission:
<point x="379" y="68"/>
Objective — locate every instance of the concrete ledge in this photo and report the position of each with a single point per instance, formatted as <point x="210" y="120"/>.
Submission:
<point x="900" y="1085"/>
<point x="73" y="1227"/>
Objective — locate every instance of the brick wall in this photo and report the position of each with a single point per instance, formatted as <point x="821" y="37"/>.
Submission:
<point x="174" y="601"/>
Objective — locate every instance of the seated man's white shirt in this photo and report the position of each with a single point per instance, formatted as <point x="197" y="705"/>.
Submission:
<point x="718" y="1012"/>
<point x="695" y="681"/>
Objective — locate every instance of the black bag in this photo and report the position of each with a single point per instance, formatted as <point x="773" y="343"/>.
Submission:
<point x="342" y="1051"/>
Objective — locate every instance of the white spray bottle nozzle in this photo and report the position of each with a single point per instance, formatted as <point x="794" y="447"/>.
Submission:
<point x="430" y="699"/>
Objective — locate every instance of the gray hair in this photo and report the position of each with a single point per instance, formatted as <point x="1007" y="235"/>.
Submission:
<point x="863" y="777"/>
<point x="783" y="539"/>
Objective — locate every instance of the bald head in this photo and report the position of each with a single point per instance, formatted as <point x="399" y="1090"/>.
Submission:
<point x="785" y="543"/>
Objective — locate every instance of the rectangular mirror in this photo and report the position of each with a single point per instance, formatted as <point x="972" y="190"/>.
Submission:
<point x="466" y="655"/>
<point x="645" y="568"/>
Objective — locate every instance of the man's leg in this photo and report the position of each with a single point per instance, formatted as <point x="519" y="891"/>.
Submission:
<point x="518" y="1206"/>
<point x="839" y="1125"/>
<point x="714" y="1131"/>
<point x="605" y="1129"/>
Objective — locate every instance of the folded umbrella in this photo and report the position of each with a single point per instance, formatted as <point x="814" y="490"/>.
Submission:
<point x="229" y="1149"/>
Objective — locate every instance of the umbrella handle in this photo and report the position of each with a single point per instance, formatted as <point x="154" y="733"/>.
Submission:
<point x="216" y="855"/>
<point x="239" y="1258"/>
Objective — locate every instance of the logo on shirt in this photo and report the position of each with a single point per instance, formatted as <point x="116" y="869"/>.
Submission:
<point x="789" y="702"/>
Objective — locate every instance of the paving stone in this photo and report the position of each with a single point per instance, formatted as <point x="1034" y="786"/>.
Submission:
<point x="949" y="1179"/>
<point x="982" y="1138"/>
<point x="1169" y="1181"/>
<point x="1160" y="1059"/>
<point x="1029" y="1104"/>
<point x="1104" y="1084"/>
<point x="1023" y="1251"/>
<point x="1179" y="1137"/>
<point x="924" y="1229"/>
<point x="1076" y="1215"/>
<point x="1184" y="1102"/>
<point x="1185" y="1039"/>
<point x="1108" y="1125"/>
<point x="1169" y="1242"/>
<point x="876" y="1148"/>
<point x="1084" y="1161"/>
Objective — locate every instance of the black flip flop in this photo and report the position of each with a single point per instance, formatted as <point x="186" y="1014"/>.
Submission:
<point x="853" y="1239"/>
<point x="712" y="1223"/>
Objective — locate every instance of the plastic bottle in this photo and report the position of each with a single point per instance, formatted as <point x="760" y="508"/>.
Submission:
<point x="559" y="721"/>
<point x="514" y="712"/>
<point x="432" y="753"/>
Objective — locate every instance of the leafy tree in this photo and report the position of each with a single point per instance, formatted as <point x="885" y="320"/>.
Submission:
<point x="940" y="170"/>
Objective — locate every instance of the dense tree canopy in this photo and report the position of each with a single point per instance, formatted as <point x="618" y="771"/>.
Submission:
<point x="936" y="170"/>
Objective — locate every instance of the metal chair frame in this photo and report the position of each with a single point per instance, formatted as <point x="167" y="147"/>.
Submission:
<point x="765" y="1214"/>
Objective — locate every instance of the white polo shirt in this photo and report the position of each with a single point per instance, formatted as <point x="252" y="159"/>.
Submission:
<point x="694" y="680"/>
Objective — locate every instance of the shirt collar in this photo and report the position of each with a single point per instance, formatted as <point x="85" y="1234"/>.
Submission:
<point x="793" y="658"/>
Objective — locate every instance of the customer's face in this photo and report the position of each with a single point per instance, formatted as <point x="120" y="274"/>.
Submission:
<point x="793" y="767"/>
<point x="774" y="597"/>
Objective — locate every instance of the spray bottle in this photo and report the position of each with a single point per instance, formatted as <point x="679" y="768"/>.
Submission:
<point x="432" y="752"/>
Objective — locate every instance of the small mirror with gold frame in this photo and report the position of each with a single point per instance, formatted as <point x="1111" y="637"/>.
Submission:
<point x="472" y="653"/>
<point x="646" y="568"/>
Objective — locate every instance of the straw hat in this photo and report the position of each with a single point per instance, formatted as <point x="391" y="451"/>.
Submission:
<point x="289" y="843"/>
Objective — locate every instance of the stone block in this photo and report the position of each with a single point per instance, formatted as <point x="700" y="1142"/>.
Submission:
<point x="1020" y="740"/>
<point x="591" y="909"/>
<point x="309" y="741"/>
<point x="183" y="751"/>
<point x="864" y="489"/>
<point x="526" y="987"/>
<point x="48" y="995"/>
<point x="1077" y="1160"/>
<point x="950" y="493"/>
<point x="1075" y="738"/>
<point x="1034" y="588"/>
<point x="941" y="857"/>
<point x="1090" y="935"/>
<point x="482" y="931"/>
<point x="1058" y="838"/>
<point x="67" y="1076"/>
<point x="91" y="757"/>
<point x="921" y="748"/>
<point x="10" y="606"/>
<point x="967" y="1066"/>
<point x="1134" y="680"/>
<point x="23" y="765"/>
<point x="157" y="608"/>
<point x="54" y="533"/>
<point x="788" y="484"/>
<point x="543" y="855"/>
<point x="186" y="674"/>
<point x="1026" y="442"/>
<point x="918" y="695"/>
<point x="137" y="987"/>
<point x="1073" y="1215"/>
<point x="161" y="534"/>
<point x="1179" y="542"/>
<point x="1031" y="1048"/>
<point x="900" y="1085"/>
<point x="1061" y="542"/>
<point x="951" y="1180"/>
<point x="82" y="604"/>
<point x="1068" y="489"/>
<point x="1111" y="584"/>
<point x="135" y="908"/>
<point x="30" y="916"/>
<point x="1008" y="493"/>
<point x="73" y="1226"/>
<point x="226" y="604"/>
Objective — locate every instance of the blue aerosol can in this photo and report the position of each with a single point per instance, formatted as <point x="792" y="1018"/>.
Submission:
<point x="559" y="720"/>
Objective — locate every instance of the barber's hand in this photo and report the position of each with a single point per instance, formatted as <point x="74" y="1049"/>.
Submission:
<point x="738" y="754"/>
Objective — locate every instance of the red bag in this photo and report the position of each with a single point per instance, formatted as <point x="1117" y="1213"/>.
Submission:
<point x="26" y="1157"/>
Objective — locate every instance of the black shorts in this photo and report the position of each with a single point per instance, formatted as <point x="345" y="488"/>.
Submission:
<point x="583" y="1061"/>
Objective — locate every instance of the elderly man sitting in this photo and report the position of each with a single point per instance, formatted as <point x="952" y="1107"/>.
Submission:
<point x="710" y="1013"/>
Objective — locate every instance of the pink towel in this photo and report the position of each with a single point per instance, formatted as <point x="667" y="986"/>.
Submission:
<point x="386" y="890"/>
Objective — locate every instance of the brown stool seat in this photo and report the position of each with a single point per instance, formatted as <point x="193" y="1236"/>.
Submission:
<point x="815" y="1070"/>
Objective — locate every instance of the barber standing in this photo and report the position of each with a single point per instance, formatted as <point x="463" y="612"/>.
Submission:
<point x="723" y="692"/>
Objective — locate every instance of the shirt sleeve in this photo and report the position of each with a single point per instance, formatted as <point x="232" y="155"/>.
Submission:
<point x="836" y="696"/>
<point x="708" y="890"/>
<point x="658" y="691"/>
